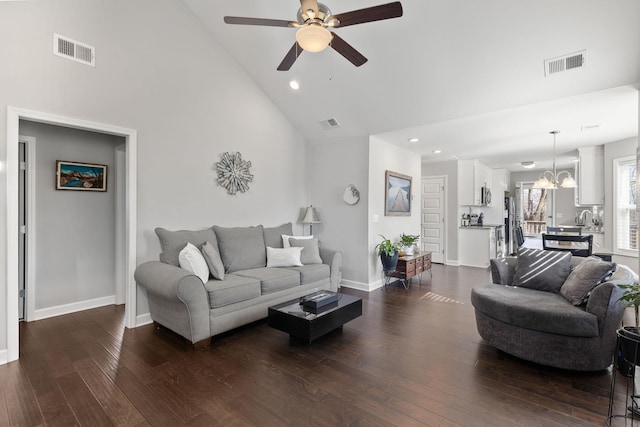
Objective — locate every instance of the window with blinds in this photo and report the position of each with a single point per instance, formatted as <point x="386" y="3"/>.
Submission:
<point x="626" y="219"/>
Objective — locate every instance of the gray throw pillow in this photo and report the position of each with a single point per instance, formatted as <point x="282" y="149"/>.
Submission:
<point x="586" y="276"/>
<point x="241" y="248"/>
<point x="310" y="250"/>
<point x="212" y="257"/>
<point x="273" y="235"/>
<point x="542" y="270"/>
<point x="172" y="242"/>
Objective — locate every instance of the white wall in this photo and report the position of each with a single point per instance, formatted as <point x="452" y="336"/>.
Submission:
<point x="331" y="167"/>
<point x="75" y="230"/>
<point x="382" y="157"/>
<point x="159" y="72"/>
<point x="450" y="170"/>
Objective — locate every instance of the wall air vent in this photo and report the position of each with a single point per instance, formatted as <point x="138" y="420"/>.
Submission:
<point x="328" y="124"/>
<point x="71" y="49"/>
<point x="565" y="63"/>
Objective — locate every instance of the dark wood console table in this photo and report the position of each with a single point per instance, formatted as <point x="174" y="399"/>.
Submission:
<point x="410" y="266"/>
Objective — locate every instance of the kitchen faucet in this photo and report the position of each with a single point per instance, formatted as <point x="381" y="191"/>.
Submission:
<point x="582" y="215"/>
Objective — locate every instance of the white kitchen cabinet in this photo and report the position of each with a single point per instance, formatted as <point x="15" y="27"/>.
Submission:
<point x="472" y="176"/>
<point x="477" y="246"/>
<point x="501" y="181"/>
<point x="590" y="176"/>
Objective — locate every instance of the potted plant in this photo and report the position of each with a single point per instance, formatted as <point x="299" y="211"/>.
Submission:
<point x="388" y="252"/>
<point x="408" y="241"/>
<point x="632" y="297"/>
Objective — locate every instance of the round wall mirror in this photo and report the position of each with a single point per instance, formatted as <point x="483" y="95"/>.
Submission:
<point x="351" y="195"/>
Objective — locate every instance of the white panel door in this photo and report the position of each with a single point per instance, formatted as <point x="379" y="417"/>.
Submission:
<point x="433" y="218"/>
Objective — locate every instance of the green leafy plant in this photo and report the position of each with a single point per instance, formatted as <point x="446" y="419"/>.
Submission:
<point x="387" y="247"/>
<point x="632" y="297"/>
<point x="409" y="239"/>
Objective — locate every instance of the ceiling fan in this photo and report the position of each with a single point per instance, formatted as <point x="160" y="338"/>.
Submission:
<point x="313" y="21"/>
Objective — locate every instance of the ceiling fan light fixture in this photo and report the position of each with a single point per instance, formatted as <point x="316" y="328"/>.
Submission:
<point x="313" y="38"/>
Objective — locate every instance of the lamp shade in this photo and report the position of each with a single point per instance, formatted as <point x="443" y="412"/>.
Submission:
<point x="311" y="216"/>
<point x="313" y="38"/>
<point x="569" y="182"/>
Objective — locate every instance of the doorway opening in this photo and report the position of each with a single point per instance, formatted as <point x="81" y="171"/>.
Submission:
<point x="125" y="261"/>
<point x="536" y="209"/>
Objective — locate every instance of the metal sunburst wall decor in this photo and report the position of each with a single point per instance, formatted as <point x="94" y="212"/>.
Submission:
<point x="233" y="173"/>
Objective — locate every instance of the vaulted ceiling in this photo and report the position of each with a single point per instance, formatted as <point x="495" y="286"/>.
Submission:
<point x="465" y="77"/>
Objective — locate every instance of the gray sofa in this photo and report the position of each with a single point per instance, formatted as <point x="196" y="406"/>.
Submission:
<point x="181" y="302"/>
<point x="543" y="326"/>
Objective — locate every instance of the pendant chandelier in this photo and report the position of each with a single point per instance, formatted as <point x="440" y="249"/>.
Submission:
<point x="549" y="179"/>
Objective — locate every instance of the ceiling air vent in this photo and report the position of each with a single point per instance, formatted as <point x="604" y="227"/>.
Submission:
<point x="74" y="50"/>
<point x="328" y="124"/>
<point x="565" y="63"/>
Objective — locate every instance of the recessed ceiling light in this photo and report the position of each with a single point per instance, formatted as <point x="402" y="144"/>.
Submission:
<point x="294" y="84"/>
<point x="437" y="151"/>
<point x="528" y="164"/>
<point x="413" y="140"/>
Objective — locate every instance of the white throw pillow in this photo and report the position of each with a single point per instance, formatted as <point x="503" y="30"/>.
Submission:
<point x="285" y="239"/>
<point x="191" y="259"/>
<point x="283" y="257"/>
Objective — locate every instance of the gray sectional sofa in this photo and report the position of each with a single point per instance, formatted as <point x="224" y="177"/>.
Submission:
<point x="180" y="301"/>
<point x="550" y="326"/>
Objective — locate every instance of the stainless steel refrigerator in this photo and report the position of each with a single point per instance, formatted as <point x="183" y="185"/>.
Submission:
<point x="510" y="225"/>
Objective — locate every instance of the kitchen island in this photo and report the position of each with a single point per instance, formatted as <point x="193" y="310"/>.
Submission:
<point x="479" y="244"/>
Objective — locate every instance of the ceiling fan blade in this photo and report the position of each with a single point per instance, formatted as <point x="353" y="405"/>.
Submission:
<point x="290" y="57"/>
<point x="239" y="20"/>
<point x="346" y="50"/>
<point x="370" y="14"/>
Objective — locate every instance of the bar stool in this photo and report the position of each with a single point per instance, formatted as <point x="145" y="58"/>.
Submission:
<point x="626" y="359"/>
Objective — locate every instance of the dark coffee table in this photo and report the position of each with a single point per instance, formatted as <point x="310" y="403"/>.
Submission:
<point x="289" y="317"/>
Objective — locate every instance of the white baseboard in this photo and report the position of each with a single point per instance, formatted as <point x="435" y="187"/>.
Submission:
<point x="3" y="357"/>
<point x="59" y="310"/>
<point x="143" y="319"/>
<point x="453" y="262"/>
<point x="360" y="286"/>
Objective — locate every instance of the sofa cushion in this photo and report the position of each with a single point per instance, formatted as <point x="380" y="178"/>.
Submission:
<point x="310" y="250"/>
<point x="191" y="259"/>
<point x="283" y="257"/>
<point x="241" y="248"/>
<point x="542" y="270"/>
<point x="272" y="235"/>
<point x="272" y="279"/>
<point x="232" y="290"/>
<point x="586" y="276"/>
<point x="286" y="237"/>
<point x="535" y="310"/>
<point x="312" y="272"/>
<point x="172" y="242"/>
<point x="214" y="262"/>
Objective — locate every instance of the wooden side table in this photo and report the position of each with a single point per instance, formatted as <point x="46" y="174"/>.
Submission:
<point x="410" y="266"/>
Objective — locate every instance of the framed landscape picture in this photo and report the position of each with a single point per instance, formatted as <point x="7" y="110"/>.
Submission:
<point x="397" y="194"/>
<point x="80" y="176"/>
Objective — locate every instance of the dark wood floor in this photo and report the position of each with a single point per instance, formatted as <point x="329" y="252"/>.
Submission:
<point x="413" y="358"/>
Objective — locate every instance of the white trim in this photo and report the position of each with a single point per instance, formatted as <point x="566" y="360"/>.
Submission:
<point x="14" y="115"/>
<point x="616" y="250"/>
<point x="30" y="260"/>
<point x="360" y="286"/>
<point x="3" y="357"/>
<point x="74" y="307"/>
<point x="144" y="319"/>
<point x="453" y="262"/>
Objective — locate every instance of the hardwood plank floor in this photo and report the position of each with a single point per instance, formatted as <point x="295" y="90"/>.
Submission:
<point x="413" y="358"/>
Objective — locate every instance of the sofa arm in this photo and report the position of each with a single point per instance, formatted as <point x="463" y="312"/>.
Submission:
<point x="177" y="299"/>
<point x="503" y="269"/>
<point x="334" y="260"/>
<point x="604" y="302"/>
